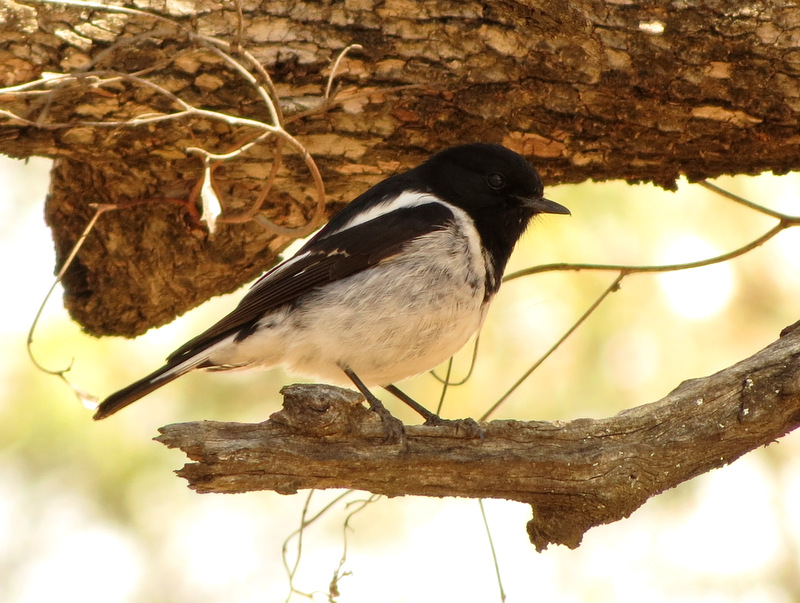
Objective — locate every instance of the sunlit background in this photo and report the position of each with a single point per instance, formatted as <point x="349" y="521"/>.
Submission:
<point x="92" y="511"/>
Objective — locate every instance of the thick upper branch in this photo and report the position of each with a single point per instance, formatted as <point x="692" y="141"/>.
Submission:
<point x="576" y="474"/>
<point x="643" y="90"/>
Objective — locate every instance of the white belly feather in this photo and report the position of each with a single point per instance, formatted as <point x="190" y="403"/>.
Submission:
<point x="386" y="323"/>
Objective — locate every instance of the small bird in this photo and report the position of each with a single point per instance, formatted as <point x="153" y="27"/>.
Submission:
<point x="392" y="286"/>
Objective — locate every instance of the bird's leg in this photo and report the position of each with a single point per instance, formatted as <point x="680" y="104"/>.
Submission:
<point x="470" y="426"/>
<point x="394" y="427"/>
<point x="416" y="406"/>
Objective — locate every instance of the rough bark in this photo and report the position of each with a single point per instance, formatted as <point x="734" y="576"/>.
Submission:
<point x="575" y="474"/>
<point x="633" y="89"/>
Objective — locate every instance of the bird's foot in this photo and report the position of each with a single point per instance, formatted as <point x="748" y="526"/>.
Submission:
<point x="395" y="430"/>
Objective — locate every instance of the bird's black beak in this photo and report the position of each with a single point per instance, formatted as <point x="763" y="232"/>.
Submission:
<point x="544" y="206"/>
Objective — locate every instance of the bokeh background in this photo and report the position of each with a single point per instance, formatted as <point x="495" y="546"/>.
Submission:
<point x="92" y="511"/>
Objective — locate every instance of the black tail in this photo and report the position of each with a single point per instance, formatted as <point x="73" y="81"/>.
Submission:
<point x="142" y="387"/>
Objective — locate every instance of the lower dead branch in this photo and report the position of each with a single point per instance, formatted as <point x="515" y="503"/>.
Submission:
<point x="576" y="474"/>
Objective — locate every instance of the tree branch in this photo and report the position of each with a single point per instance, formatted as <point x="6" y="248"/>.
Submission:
<point x="639" y="90"/>
<point x="575" y="474"/>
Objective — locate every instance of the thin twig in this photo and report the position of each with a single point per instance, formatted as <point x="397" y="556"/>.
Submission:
<point x="445" y="385"/>
<point x="339" y="100"/>
<point x="742" y="201"/>
<point x="99" y="210"/>
<point x="251" y="213"/>
<point x="240" y="69"/>
<point x="494" y="553"/>
<point x="86" y="398"/>
<point x="785" y="221"/>
<point x="333" y="587"/>
<point x="284" y="549"/>
<point x="304" y="523"/>
<point x="268" y="96"/>
<point x="469" y="371"/>
<point x="611" y="289"/>
<point x="625" y="269"/>
<point x="335" y="68"/>
<point x="237" y="39"/>
<point x="157" y="35"/>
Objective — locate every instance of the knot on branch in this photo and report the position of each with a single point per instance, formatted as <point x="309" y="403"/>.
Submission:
<point x="323" y="411"/>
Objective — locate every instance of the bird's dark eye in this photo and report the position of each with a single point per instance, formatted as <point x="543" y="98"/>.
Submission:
<point x="495" y="180"/>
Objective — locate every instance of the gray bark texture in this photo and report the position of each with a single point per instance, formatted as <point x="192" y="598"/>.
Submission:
<point x="575" y="474"/>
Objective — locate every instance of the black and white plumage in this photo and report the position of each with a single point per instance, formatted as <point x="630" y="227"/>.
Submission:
<point x="392" y="286"/>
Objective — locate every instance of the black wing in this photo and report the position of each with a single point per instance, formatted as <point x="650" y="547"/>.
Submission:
<point x="324" y="259"/>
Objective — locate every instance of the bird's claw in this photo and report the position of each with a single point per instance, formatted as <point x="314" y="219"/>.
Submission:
<point x="395" y="430"/>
